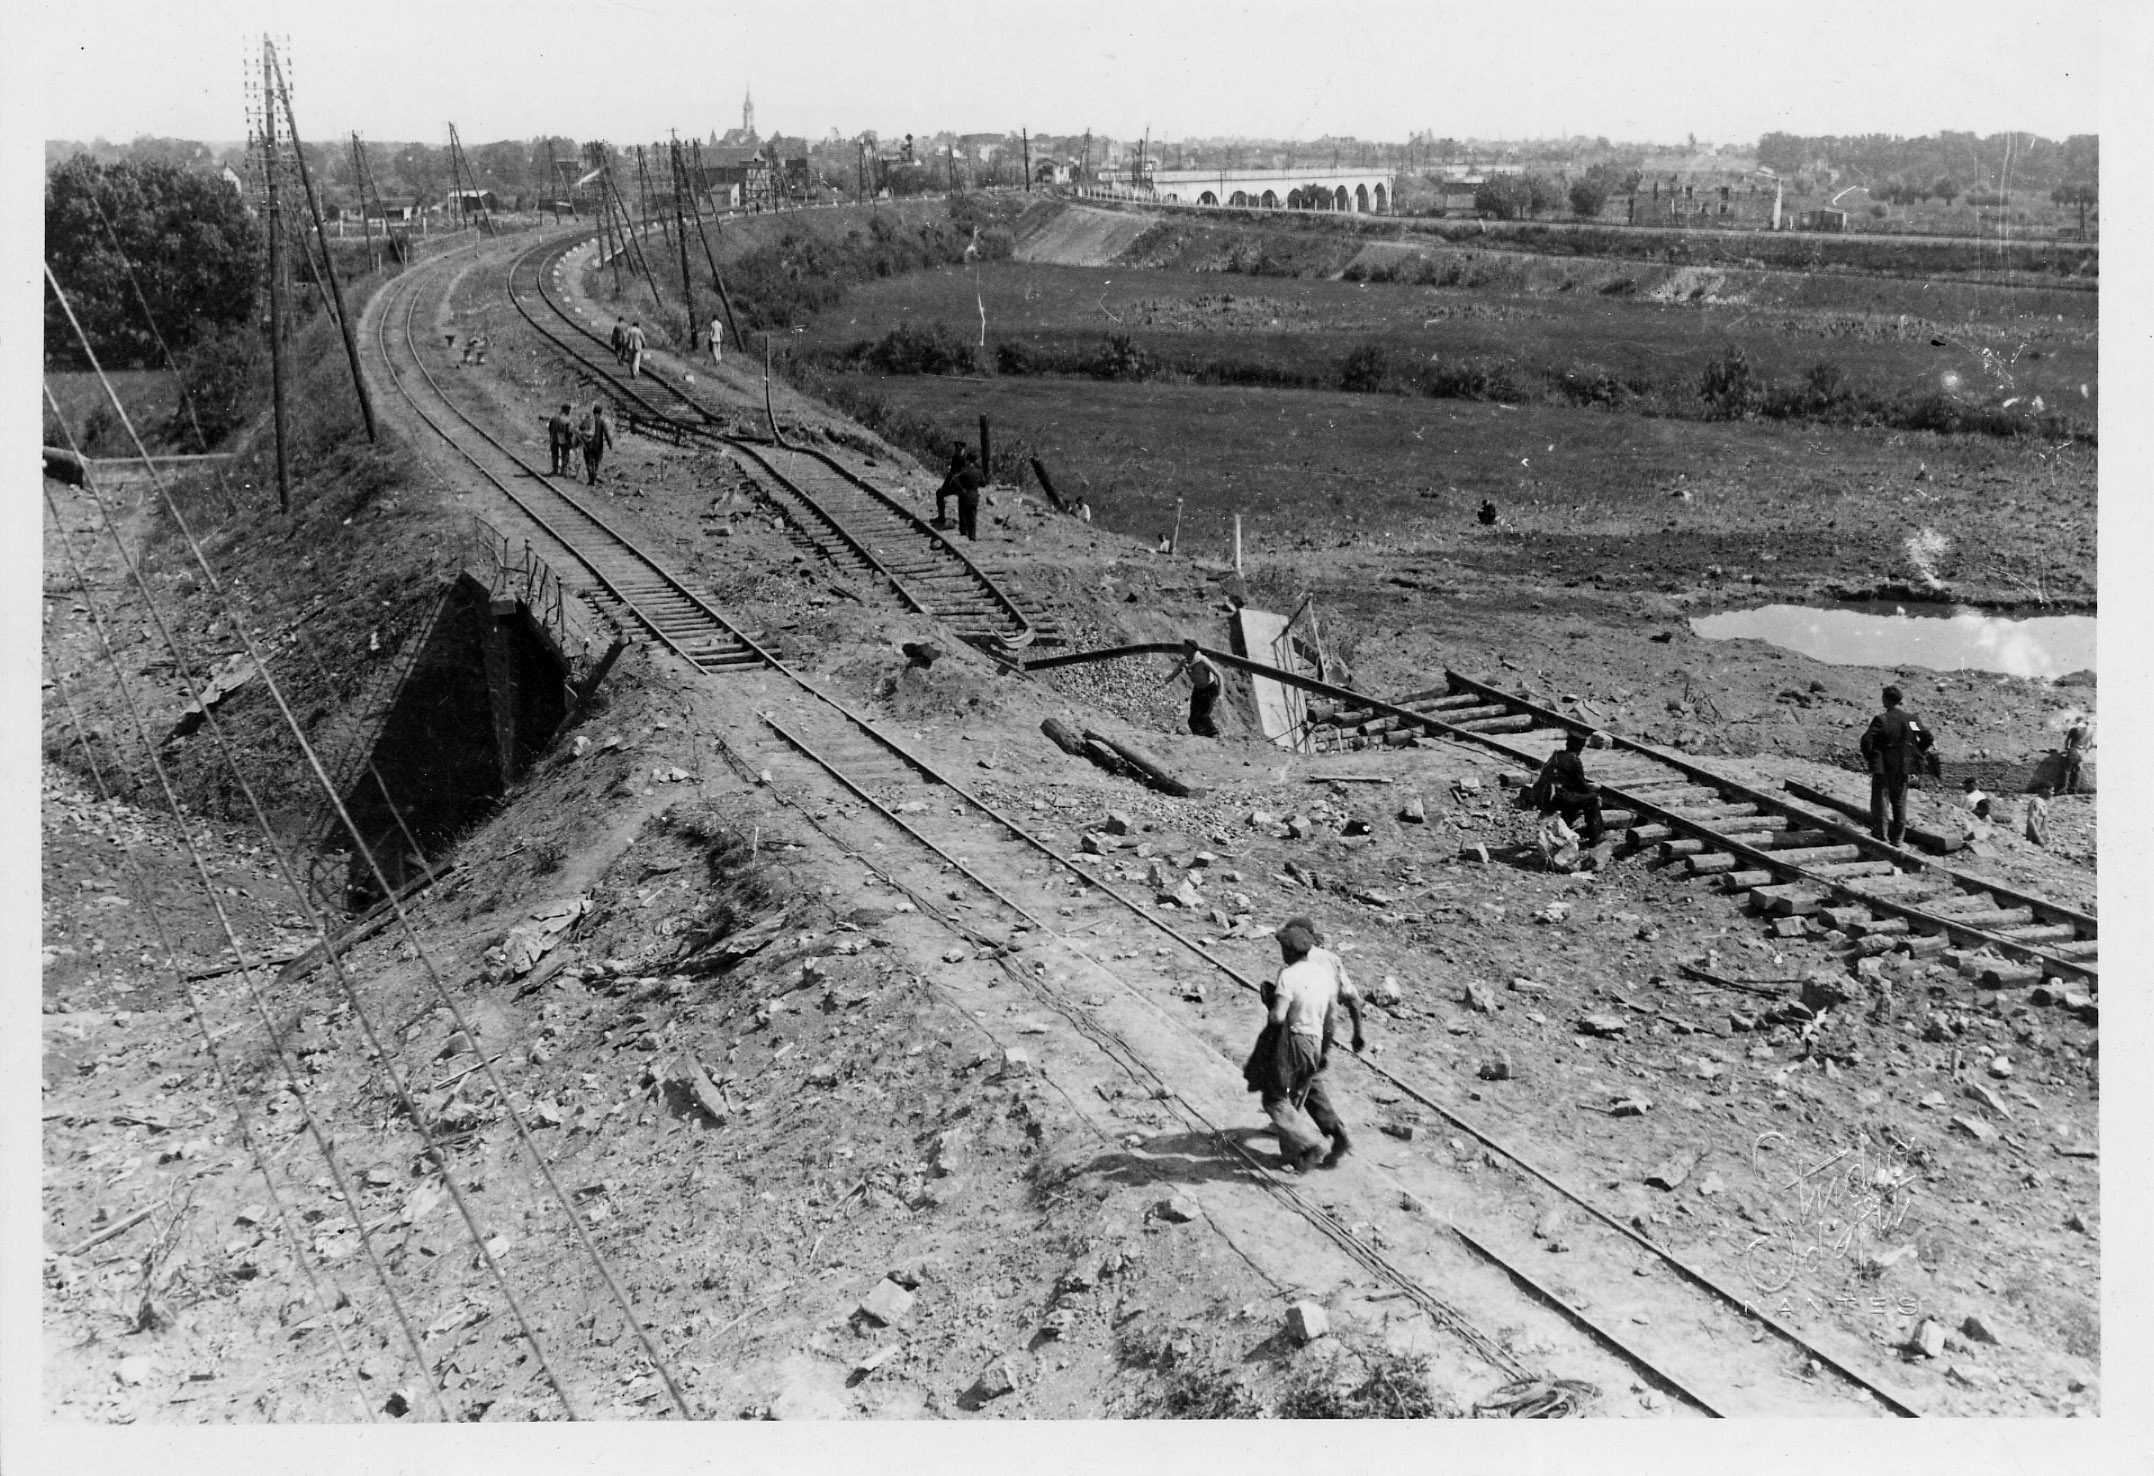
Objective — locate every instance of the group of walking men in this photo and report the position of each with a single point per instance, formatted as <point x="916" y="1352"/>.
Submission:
<point x="566" y="435"/>
<point x="628" y="346"/>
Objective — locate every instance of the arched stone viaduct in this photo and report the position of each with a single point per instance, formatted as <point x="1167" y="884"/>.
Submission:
<point x="1357" y="191"/>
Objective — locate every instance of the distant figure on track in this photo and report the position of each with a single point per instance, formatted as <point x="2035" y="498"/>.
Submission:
<point x="1562" y="789"/>
<point x="1488" y="514"/>
<point x="2077" y="739"/>
<point x="717" y="338"/>
<point x="1893" y="746"/>
<point x="620" y="341"/>
<point x="964" y="483"/>
<point x="635" y="350"/>
<point x="596" y="436"/>
<point x="1204" y="688"/>
<point x="1287" y="1066"/>
<point x="561" y="440"/>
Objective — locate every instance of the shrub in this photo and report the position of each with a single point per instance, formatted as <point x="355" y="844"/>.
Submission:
<point x="926" y="349"/>
<point x="1365" y="369"/>
<point x="1730" y="387"/>
<point x="1120" y="358"/>
<point x="225" y="377"/>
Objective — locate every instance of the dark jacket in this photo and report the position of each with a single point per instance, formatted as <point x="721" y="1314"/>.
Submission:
<point x="1895" y="742"/>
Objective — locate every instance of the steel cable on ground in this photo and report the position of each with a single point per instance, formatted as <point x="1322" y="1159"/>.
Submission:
<point x="293" y="1073"/>
<point x="288" y="873"/>
<point x="224" y="485"/>
<point x="403" y="918"/>
<point x="247" y="1132"/>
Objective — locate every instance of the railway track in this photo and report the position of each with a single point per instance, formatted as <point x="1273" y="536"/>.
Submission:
<point x="848" y="519"/>
<point x="840" y="749"/>
<point x="1791" y="859"/>
<point x="624" y="579"/>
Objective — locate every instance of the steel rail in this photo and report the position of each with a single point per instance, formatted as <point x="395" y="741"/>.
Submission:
<point x="704" y="429"/>
<point x="1451" y="1115"/>
<point x="568" y="541"/>
<point x="1436" y="726"/>
<point x="1692" y="1274"/>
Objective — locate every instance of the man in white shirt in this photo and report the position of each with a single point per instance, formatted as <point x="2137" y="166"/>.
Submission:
<point x="1287" y="1066"/>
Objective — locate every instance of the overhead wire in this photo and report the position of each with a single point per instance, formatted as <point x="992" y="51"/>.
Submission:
<point x="288" y="873"/>
<point x="293" y="1074"/>
<point x="403" y="919"/>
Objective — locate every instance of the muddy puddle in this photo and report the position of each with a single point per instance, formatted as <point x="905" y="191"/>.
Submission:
<point x="1938" y="637"/>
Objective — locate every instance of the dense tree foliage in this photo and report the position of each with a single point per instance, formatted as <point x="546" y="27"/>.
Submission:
<point x="2013" y="161"/>
<point x="1516" y="196"/>
<point x="194" y="249"/>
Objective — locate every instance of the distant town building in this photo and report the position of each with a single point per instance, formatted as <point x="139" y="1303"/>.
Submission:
<point x="745" y="136"/>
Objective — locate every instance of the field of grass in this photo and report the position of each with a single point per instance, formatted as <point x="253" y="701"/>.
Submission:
<point x="1637" y="500"/>
<point x="1615" y="337"/>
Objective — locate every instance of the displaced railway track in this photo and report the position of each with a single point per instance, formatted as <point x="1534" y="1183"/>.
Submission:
<point x="848" y="757"/>
<point x="1788" y="857"/>
<point x="854" y="523"/>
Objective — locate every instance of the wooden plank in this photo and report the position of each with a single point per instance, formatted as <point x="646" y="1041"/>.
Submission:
<point x="1282" y="711"/>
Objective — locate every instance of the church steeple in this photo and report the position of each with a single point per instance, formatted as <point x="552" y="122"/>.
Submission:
<point x="747" y="113"/>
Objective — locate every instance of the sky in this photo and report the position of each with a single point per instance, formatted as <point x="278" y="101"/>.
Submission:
<point x="1650" y="70"/>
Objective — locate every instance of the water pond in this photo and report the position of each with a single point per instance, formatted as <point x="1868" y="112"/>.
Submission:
<point x="1939" y="637"/>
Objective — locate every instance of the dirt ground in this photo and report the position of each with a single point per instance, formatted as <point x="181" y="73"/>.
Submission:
<point x="910" y="1109"/>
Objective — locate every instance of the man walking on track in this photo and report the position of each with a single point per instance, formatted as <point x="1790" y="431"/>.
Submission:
<point x="1287" y="1066"/>
<point x="634" y="348"/>
<point x="1893" y="746"/>
<point x="1204" y="689"/>
<point x="561" y="440"/>
<point x="963" y="482"/>
<point x="620" y="341"/>
<point x="596" y="437"/>
<point x="717" y="338"/>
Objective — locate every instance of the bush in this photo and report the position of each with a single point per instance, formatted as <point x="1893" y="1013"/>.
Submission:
<point x="226" y="378"/>
<point x="928" y="349"/>
<point x="1120" y="358"/>
<point x="1366" y="369"/>
<point x="1397" y="1388"/>
<point x="1730" y="387"/>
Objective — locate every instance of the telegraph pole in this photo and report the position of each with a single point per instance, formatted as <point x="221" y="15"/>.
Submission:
<point x="276" y="277"/>
<point x="1025" y="134"/>
<point x="329" y="265"/>
<point x="680" y="236"/>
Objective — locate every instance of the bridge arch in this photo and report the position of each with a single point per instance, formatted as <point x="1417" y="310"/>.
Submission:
<point x="1270" y="201"/>
<point x="1207" y="198"/>
<point x="1239" y="197"/>
<point x="1340" y="199"/>
<point x="1382" y="199"/>
<point x="1361" y="198"/>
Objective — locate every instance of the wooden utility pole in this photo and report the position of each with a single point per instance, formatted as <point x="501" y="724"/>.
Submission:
<point x="643" y="193"/>
<point x="553" y="181"/>
<point x="609" y="238"/>
<point x="366" y="222"/>
<point x="276" y="278"/>
<point x="1025" y="135"/>
<point x="717" y="282"/>
<point x="680" y="236"/>
<point x="951" y="155"/>
<point x="329" y="265"/>
<point x="1086" y="166"/>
